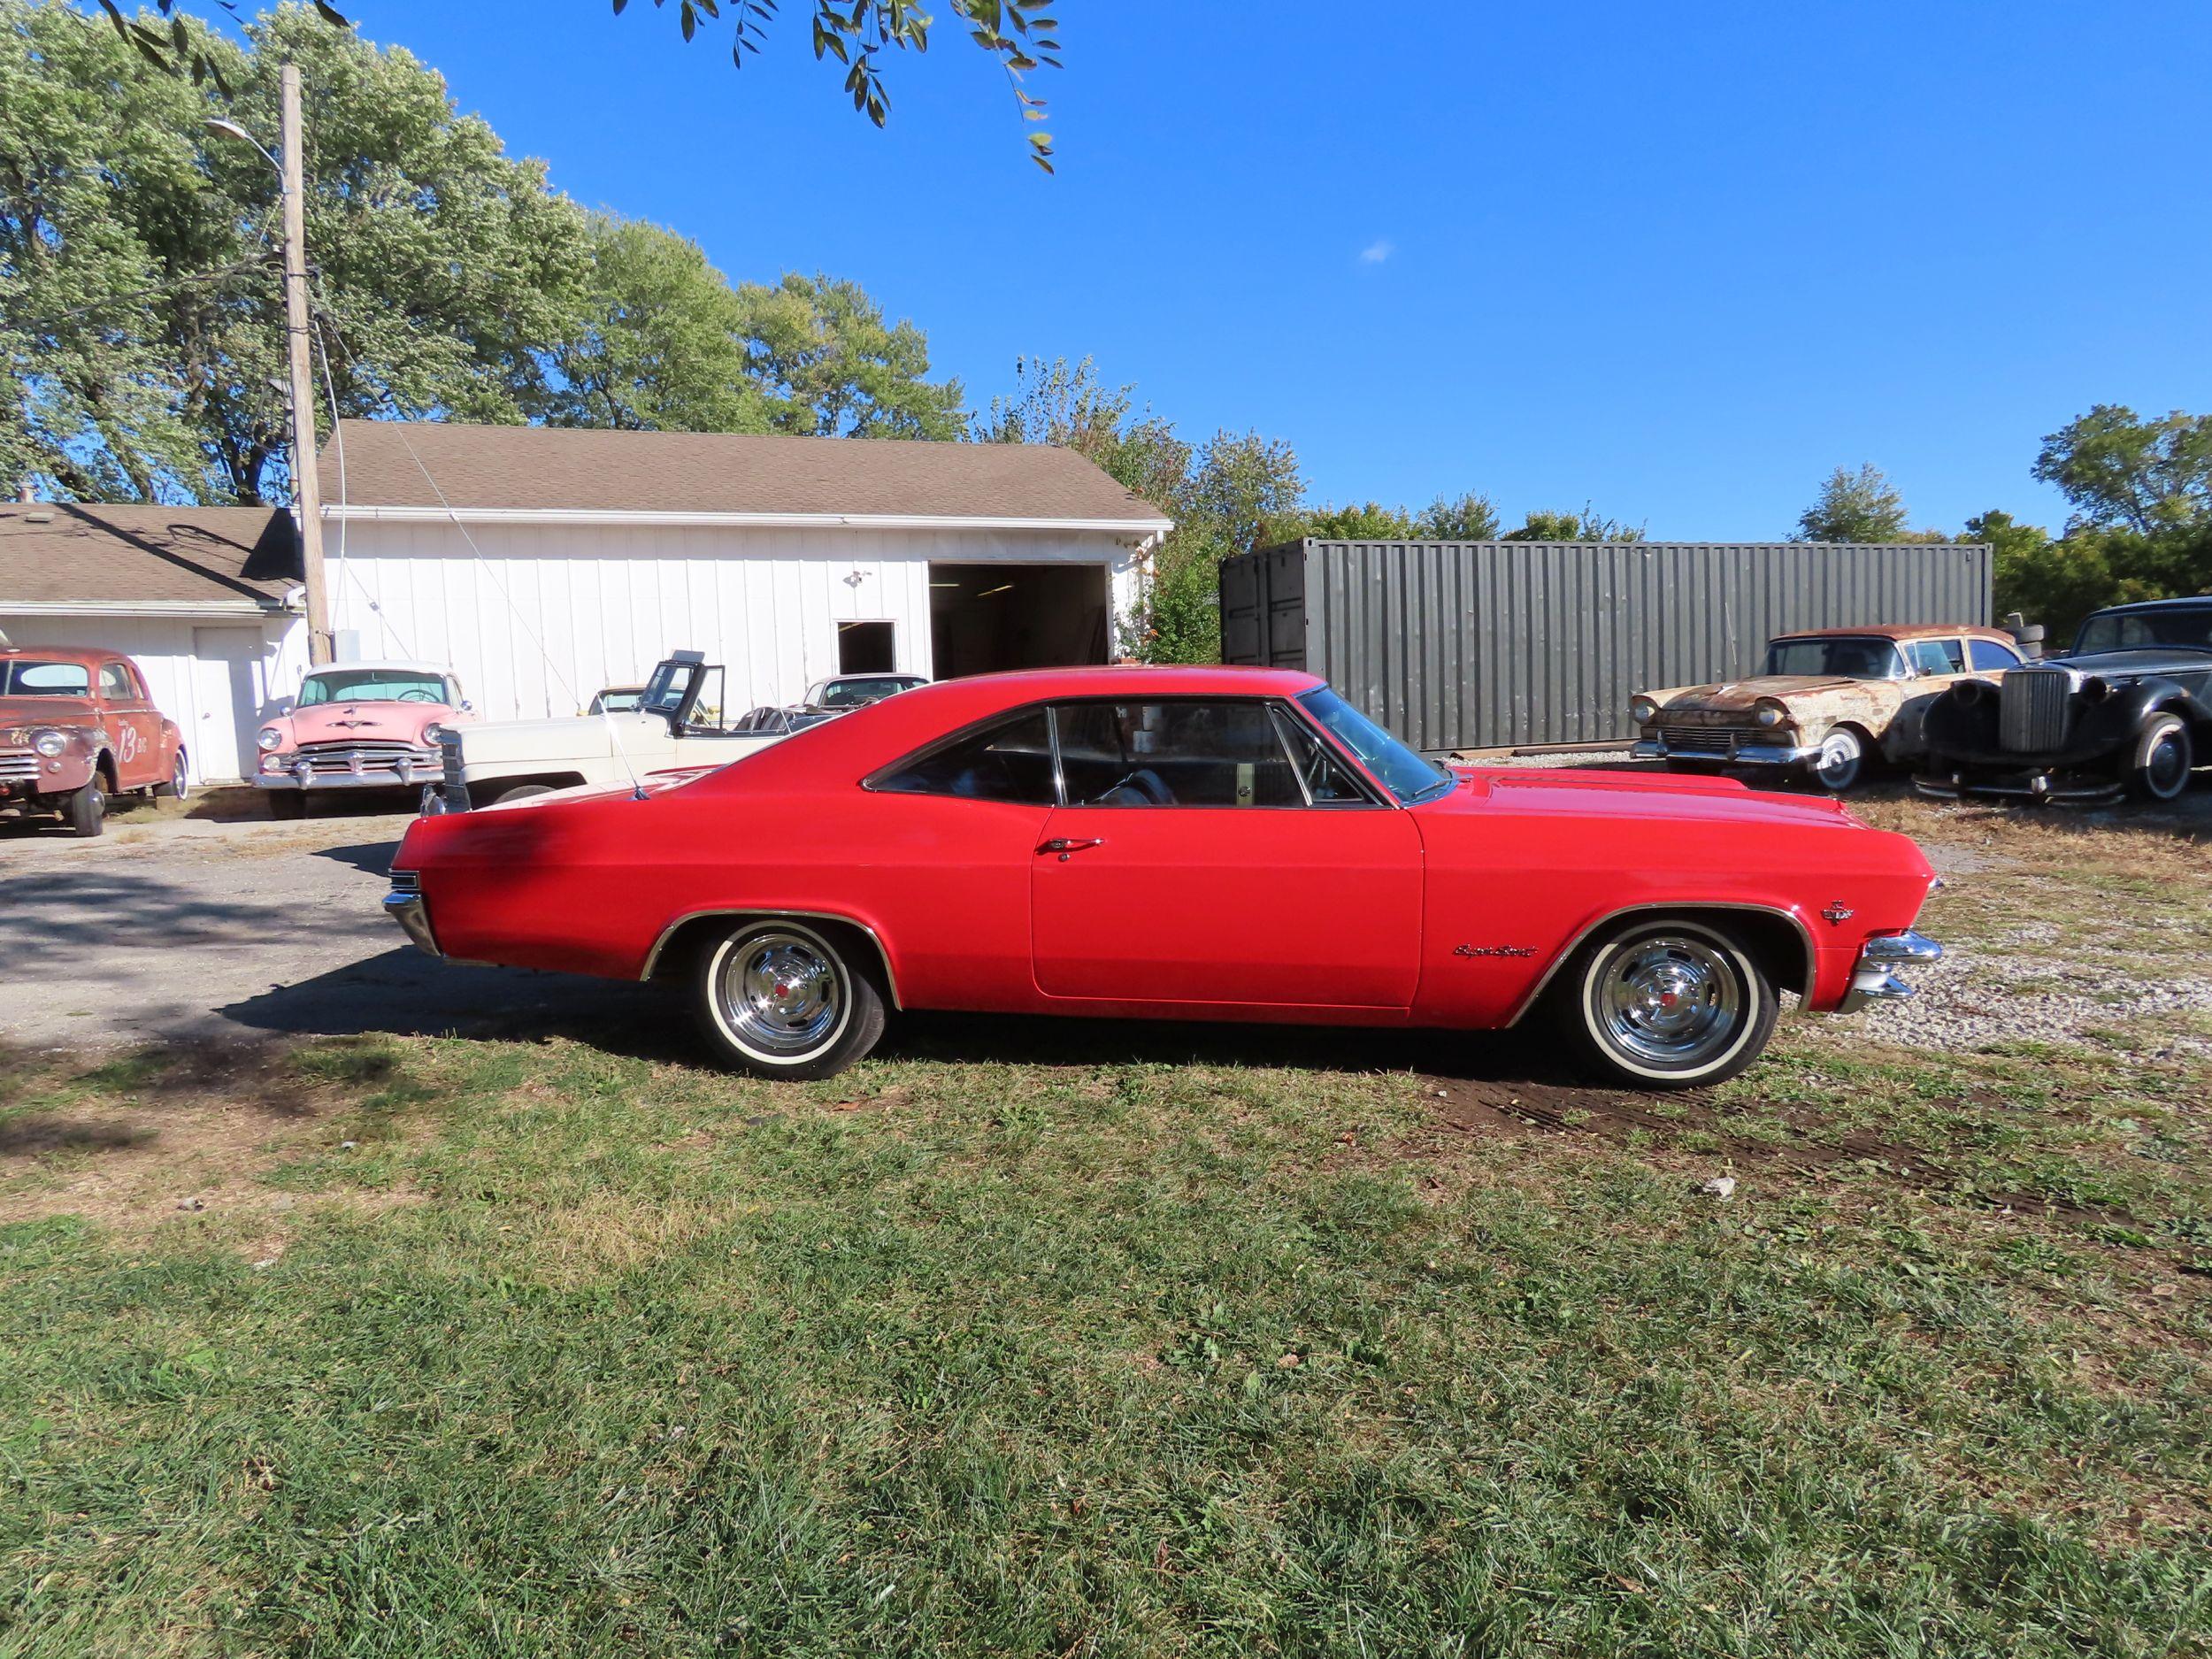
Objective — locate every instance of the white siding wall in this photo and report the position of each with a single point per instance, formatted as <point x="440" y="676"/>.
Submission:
<point x="549" y="613"/>
<point x="218" y="677"/>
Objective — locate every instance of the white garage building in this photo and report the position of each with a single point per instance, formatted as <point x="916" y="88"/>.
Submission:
<point x="540" y="564"/>
<point x="204" y="599"/>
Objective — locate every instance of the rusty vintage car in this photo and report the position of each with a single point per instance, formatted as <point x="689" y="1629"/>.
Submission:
<point x="76" y="727"/>
<point x="1827" y="704"/>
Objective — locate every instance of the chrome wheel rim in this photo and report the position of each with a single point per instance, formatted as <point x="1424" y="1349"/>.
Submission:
<point x="1839" y="762"/>
<point x="179" y="784"/>
<point x="2166" y="768"/>
<point x="1670" y="1001"/>
<point x="781" y="994"/>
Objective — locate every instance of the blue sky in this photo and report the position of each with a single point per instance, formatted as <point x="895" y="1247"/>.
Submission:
<point x="1678" y="261"/>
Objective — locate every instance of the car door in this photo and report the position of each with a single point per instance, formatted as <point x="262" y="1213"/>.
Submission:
<point x="133" y="724"/>
<point x="1189" y="863"/>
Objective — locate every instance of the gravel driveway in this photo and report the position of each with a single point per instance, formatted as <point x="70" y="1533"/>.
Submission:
<point x="181" y="930"/>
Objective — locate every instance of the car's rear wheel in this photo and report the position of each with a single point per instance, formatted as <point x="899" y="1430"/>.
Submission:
<point x="1841" y="761"/>
<point x="179" y="784"/>
<point x="782" y="998"/>
<point x="1667" y="1002"/>
<point x="2158" y="770"/>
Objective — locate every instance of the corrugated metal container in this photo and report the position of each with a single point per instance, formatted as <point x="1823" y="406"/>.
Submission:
<point x="1484" y="644"/>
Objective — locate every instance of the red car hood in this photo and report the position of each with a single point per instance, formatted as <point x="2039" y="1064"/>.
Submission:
<point x="358" y="722"/>
<point x="47" y="712"/>
<point x="1584" y="792"/>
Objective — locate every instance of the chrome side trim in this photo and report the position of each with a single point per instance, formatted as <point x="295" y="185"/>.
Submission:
<point x="1678" y="908"/>
<point x="890" y="979"/>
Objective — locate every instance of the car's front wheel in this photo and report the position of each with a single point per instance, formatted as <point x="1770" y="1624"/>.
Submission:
<point x="1841" y="761"/>
<point x="1667" y="1002"/>
<point x="85" y="810"/>
<point x="781" y="998"/>
<point x="2159" y="768"/>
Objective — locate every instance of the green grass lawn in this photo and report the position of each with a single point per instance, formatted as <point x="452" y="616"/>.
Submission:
<point x="1006" y="1345"/>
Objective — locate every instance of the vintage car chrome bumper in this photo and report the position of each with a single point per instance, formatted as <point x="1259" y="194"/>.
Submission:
<point x="1873" y="976"/>
<point x="354" y="769"/>
<point x="1729" y="754"/>
<point x="404" y="905"/>
<point x="2038" y="783"/>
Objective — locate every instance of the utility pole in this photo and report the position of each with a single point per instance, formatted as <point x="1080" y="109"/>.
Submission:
<point x="307" y="504"/>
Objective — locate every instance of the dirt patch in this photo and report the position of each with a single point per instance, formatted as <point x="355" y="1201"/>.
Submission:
<point x="1481" y="1108"/>
<point x="172" y="1133"/>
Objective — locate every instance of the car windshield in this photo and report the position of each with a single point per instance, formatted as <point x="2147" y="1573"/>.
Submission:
<point x="35" y="677"/>
<point x="617" y="702"/>
<point x="1847" y="659"/>
<point x="1403" y="771"/>
<point x="2189" y="627"/>
<point x="371" y="684"/>
<point x="853" y="694"/>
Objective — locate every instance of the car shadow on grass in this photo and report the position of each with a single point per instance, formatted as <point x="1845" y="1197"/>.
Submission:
<point x="403" y="993"/>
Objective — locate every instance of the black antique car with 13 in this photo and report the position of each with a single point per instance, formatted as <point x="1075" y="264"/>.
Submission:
<point x="2127" y="711"/>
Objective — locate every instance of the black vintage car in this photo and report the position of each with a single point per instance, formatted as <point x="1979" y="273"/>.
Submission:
<point x="2127" y="711"/>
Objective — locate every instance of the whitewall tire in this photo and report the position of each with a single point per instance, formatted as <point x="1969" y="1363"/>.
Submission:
<point x="1667" y="1002"/>
<point x="780" y="997"/>
<point x="1842" y="761"/>
<point x="2158" y="767"/>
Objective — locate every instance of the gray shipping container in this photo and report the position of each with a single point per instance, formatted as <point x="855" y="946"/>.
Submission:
<point x="1485" y="644"/>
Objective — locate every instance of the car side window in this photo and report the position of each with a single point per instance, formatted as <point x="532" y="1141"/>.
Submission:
<point x="1008" y="760"/>
<point x="1990" y="657"/>
<point x="1174" y="753"/>
<point x="115" y="683"/>
<point x="1328" y="781"/>
<point x="1937" y="657"/>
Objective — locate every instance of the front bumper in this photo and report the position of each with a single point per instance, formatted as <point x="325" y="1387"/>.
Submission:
<point x="1874" y="975"/>
<point x="404" y="905"/>
<point x="365" y="770"/>
<point x="2029" y="783"/>
<point x="1736" y="753"/>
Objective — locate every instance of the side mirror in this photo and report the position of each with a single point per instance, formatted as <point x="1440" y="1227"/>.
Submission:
<point x="467" y="707"/>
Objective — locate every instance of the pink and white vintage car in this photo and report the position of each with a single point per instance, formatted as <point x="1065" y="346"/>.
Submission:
<point x="358" y="725"/>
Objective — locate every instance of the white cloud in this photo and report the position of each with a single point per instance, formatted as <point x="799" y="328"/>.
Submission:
<point x="1376" y="252"/>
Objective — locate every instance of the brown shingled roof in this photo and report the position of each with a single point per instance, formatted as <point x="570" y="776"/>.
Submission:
<point x="541" y="468"/>
<point x="62" y="552"/>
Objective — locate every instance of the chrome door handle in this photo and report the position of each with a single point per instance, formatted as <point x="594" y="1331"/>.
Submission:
<point x="1065" y="844"/>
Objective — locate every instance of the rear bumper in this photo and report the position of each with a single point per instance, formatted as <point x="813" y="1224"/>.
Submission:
<point x="404" y="905"/>
<point x="1736" y="755"/>
<point x="1874" y="975"/>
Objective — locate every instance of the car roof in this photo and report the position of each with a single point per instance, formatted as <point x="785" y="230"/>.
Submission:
<point x="2182" y="602"/>
<point x="847" y="749"/>
<point x="389" y="666"/>
<point x="1902" y="631"/>
<point x="88" y="656"/>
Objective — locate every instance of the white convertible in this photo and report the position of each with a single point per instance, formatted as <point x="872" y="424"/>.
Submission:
<point x="678" y="722"/>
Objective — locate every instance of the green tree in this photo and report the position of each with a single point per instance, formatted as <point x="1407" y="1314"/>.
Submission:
<point x="856" y="33"/>
<point x="140" y="316"/>
<point x="1368" y="521"/>
<point x="2149" y="476"/>
<point x="1586" y="526"/>
<point x="1861" y="506"/>
<point x="1066" y="404"/>
<point x="655" y="344"/>
<point x="1469" y="517"/>
<point x="828" y="365"/>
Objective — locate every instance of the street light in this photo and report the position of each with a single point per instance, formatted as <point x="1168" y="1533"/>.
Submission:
<point x="306" y="497"/>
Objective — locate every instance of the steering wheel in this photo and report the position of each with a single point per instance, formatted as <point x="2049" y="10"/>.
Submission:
<point x="1146" y="782"/>
<point x="418" y="694"/>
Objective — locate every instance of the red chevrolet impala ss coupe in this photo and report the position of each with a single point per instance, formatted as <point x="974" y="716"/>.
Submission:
<point x="1194" y="843"/>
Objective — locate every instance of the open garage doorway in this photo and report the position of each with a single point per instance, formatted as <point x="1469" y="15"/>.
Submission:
<point x="986" y="618"/>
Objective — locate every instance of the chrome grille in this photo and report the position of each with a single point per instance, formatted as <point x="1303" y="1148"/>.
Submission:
<point x="325" y="760"/>
<point x="449" y="746"/>
<point x="2034" y="704"/>
<point x="1698" y="739"/>
<point x="18" y="768"/>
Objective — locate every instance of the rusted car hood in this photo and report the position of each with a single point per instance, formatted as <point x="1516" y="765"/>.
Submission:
<point x="16" y="711"/>
<point x="1830" y="695"/>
